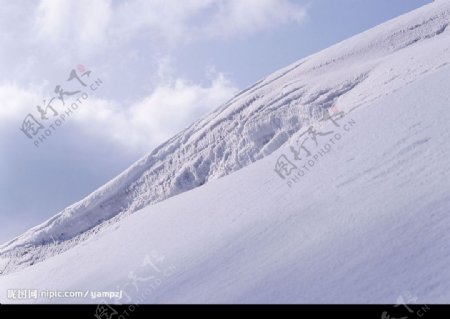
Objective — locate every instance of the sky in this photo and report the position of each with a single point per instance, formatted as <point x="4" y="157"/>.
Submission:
<point x="156" y="67"/>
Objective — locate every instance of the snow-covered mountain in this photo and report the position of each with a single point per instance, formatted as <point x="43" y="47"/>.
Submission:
<point x="361" y="223"/>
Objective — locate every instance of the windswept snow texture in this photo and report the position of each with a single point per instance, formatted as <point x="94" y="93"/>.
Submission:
<point x="367" y="223"/>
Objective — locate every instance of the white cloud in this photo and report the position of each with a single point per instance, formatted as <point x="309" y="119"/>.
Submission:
<point x="80" y="24"/>
<point x="172" y="106"/>
<point x="237" y="17"/>
<point x="88" y="25"/>
<point x="17" y="103"/>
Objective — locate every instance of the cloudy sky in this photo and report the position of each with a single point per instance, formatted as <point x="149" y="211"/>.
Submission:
<point x="162" y="63"/>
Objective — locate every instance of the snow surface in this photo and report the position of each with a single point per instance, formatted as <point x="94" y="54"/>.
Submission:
<point x="367" y="223"/>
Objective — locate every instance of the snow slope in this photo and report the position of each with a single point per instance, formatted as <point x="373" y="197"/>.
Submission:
<point x="368" y="223"/>
<point x="361" y="225"/>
